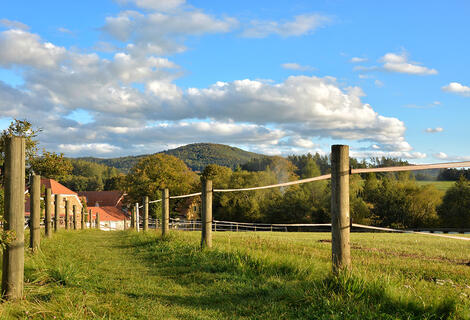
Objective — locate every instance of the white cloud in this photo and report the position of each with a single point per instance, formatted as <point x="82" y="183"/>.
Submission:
<point x="357" y="59"/>
<point x="20" y="47"/>
<point x="296" y="66"/>
<point x="158" y="5"/>
<point x="162" y="33"/>
<point x="378" y="83"/>
<point x="64" y="30"/>
<point x="444" y="156"/>
<point x="394" y="62"/>
<point x="393" y="154"/>
<point x="301" y="25"/>
<point x="434" y="130"/>
<point x="90" y="148"/>
<point x="455" y="87"/>
<point x="11" y="24"/>
<point x="133" y="101"/>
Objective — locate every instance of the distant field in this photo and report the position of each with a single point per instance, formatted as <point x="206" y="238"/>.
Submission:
<point x="124" y="275"/>
<point x="440" y="185"/>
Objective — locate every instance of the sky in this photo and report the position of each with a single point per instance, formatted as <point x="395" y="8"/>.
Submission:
<point x="127" y="77"/>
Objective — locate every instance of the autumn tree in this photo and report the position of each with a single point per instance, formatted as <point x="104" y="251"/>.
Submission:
<point x="157" y="172"/>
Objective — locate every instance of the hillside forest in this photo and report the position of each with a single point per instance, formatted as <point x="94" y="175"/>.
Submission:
<point x="390" y="200"/>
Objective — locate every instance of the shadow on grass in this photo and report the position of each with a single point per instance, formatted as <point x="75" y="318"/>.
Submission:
<point x="234" y="284"/>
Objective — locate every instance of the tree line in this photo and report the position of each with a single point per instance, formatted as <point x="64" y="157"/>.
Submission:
<point x="385" y="199"/>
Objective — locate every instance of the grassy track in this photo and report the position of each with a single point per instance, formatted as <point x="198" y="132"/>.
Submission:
<point x="123" y="275"/>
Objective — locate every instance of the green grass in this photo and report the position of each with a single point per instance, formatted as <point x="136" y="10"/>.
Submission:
<point x="440" y="185"/>
<point x="124" y="275"/>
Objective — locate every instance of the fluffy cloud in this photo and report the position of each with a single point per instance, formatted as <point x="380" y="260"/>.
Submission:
<point x="455" y="87"/>
<point x="13" y="24"/>
<point x="444" y="156"/>
<point x="434" y="130"/>
<point x="301" y="25"/>
<point x="135" y="106"/>
<point x="399" y="63"/>
<point x="22" y="48"/>
<point x="158" y="5"/>
<point x="162" y="33"/>
<point x="357" y="59"/>
<point x="296" y="66"/>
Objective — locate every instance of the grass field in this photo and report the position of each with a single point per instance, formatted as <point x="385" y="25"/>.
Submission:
<point x="440" y="185"/>
<point x="124" y="275"/>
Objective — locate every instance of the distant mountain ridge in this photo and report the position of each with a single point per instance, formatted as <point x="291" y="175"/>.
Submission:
<point x="196" y="156"/>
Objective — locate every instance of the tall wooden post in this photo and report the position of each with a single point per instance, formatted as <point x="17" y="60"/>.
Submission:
<point x="13" y="253"/>
<point x="165" y="211"/>
<point x="57" y="202"/>
<point x="35" y="213"/>
<point x="74" y="208"/>
<point x="90" y="219"/>
<point x="67" y="210"/>
<point x="48" y="213"/>
<point x="82" y="218"/>
<point x="340" y="223"/>
<point x="132" y="218"/>
<point x="98" y="225"/>
<point x="206" y="219"/>
<point x="137" y="217"/>
<point x="146" y="213"/>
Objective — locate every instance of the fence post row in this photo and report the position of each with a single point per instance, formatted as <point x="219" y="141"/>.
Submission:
<point x="165" y="211"/>
<point x="340" y="223"/>
<point x="146" y="213"/>
<point x="13" y="253"/>
<point x="48" y="212"/>
<point x="206" y="219"/>
<point x="35" y="213"/>
<point x="57" y="203"/>
<point x="74" y="207"/>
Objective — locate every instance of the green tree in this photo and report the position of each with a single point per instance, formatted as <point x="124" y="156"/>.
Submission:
<point x="455" y="208"/>
<point x="22" y="128"/>
<point x="156" y="172"/>
<point x="219" y="175"/>
<point x="51" y="165"/>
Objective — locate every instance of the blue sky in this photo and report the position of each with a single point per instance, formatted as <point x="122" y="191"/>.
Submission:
<point x="111" y="78"/>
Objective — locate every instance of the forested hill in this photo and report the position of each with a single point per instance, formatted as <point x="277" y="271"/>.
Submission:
<point x="196" y="156"/>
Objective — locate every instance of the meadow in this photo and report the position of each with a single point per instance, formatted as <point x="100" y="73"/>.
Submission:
<point x="94" y="274"/>
<point x="440" y="185"/>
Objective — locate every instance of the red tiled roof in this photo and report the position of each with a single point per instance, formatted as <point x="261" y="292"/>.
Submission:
<point x="106" y="214"/>
<point x="56" y="187"/>
<point x="103" y="198"/>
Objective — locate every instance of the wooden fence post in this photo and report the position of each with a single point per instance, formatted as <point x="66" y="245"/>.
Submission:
<point x="67" y="208"/>
<point x="206" y="219"/>
<point x="35" y="213"/>
<point x="74" y="210"/>
<point x="146" y="213"/>
<point x="340" y="224"/>
<point x="57" y="203"/>
<point x="137" y="217"/>
<point x="165" y="211"/>
<point x="13" y="253"/>
<point x="125" y="226"/>
<point x="90" y="219"/>
<point x="98" y="225"/>
<point x="82" y="218"/>
<point x="48" y="213"/>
